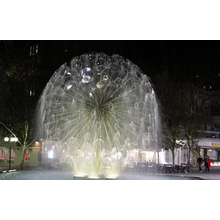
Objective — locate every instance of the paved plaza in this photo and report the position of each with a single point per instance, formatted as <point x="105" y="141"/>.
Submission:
<point x="213" y="174"/>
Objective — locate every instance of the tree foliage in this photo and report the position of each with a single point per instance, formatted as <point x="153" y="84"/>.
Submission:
<point x="17" y="104"/>
<point x="184" y="101"/>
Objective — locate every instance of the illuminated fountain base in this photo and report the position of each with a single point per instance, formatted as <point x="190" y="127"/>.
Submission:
<point x="80" y="177"/>
<point x="111" y="177"/>
<point x="93" y="178"/>
<point x="100" y="177"/>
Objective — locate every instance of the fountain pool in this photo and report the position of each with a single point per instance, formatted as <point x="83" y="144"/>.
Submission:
<point x="67" y="175"/>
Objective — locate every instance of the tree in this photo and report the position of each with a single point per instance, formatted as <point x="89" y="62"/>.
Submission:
<point x="171" y="111"/>
<point x="179" y="82"/>
<point x="196" y="115"/>
<point x="24" y="143"/>
<point x="18" y="97"/>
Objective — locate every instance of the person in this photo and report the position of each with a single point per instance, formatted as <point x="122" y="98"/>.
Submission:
<point x="207" y="163"/>
<point x="199" y="162"/>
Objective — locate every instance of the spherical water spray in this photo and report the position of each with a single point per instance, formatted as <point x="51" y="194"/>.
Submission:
<point x="98" y="108"/>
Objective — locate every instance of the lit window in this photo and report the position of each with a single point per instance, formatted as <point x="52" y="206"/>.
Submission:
<point x="30" y="50"/>
<point x="27" y="156"/>
<point x="36" y="49"/>
<point x="2" y="154"/>
<point x="33" y="51"/>
<point x="31" y="91"/>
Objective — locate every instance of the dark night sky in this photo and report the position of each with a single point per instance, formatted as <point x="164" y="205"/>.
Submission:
<point x="140" y="52"/>
<point x="191" y="57"/>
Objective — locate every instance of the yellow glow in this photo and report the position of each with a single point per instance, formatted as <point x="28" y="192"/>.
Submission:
<point x="80" y="175"/>
<point x="94" y="177"/>
<point x="111" y="177"/>
<point x="36" y="144"/>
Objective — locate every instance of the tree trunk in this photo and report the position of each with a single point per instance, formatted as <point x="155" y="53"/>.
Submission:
<point x="21" y="166"/>
<point x="190" y="147"/>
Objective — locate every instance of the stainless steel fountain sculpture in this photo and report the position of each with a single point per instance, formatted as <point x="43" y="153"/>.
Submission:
<point x="98" y="108"/>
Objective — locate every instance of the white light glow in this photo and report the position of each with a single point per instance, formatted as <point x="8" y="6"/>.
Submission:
<point x="69" y="86"/>
<point x="6" y="139"/>
<point x="13" y="139"/>
<point x="50" y="154"/>
<point x="86" y="79"/>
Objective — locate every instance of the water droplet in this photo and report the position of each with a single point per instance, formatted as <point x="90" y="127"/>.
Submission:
<point x="100" y="84"/>
<point x="86" y="79"/>
<point x="105" y="77"/>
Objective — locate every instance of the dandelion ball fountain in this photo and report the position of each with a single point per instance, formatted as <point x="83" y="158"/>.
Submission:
<point x="98" y="108"/>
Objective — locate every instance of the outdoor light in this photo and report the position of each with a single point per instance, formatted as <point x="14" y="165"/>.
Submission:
<point x="11" y="139"/>
<point x="36" y="144"/>
<point x="6" y="139"/>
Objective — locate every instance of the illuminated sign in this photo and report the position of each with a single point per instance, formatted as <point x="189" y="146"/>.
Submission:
<point x="215" y="144"/>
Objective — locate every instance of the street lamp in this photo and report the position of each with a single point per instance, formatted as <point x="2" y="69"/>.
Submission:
<point x="11" y="139"/>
